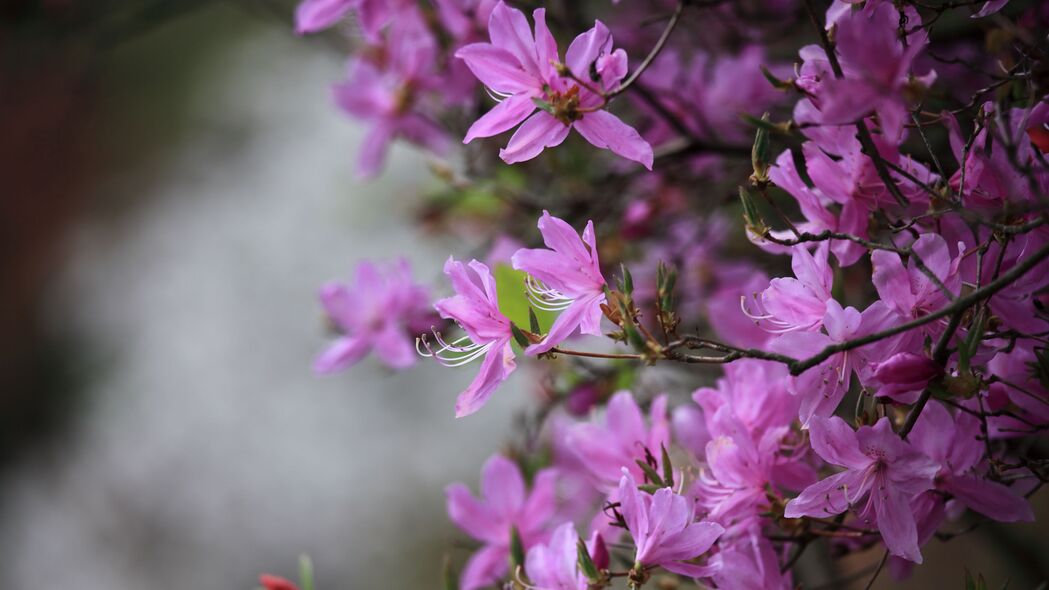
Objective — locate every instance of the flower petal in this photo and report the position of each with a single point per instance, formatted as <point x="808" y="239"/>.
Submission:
<point x="605" y="130"/>
<point x="502" y="117"/>
<point x="536" y="134"/>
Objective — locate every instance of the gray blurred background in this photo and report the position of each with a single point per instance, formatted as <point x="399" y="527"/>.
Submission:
<point x="181" y="191"/>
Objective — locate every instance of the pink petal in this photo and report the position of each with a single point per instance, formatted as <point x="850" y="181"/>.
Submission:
<point x="565" y="324"/>
<point x="586" y="48"/>
<point x="502" y="486"/>
<point x="835" y="442"/>
<point x="395" y="348"/>
<point x="372" y="156"/>
<point x="605" y="130"/>
<point x="342" y="354"/>
<point x="314" y="15"/>
<point x="990" y="8"/>
<point x="472" y="516"/>
<point x="502" y="117"/>
<point x="497" y="366"/>
<point x="545" y="45"/>
<point x="485" y="568"/>
<point x="828" y="497"/>
<point x="497" y="69"/>
<point x="537" y="133"/>
<point x="896" y="521"/>
<point x="508" y="30"/>
<point x="990" y="498"/>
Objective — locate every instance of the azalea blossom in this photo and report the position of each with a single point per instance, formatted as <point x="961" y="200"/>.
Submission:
<point x="372" y="15"/>
<point x="664" y="530"/>
<point x="566" y="277"/>
<point x="387" y="93"/>
<point x="555" y="565"/>
<point x="880" y="467"/>
<point x="525" y="71"/>
<point x="505" y="505"/>
<point x="475" y="307"/>
<point x="799" y="303"/>
<point x="381" y="311"/>
<point x="620" y="440"/>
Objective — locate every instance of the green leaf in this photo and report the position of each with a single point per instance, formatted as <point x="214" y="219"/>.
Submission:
<point x="668" y="469"/>
<point x="542" y="104"/>
<point x="970" y="584"/>
<point x="517" y="553"/>
<point x="586" y="564"/>
<point x="533" y="321"/>
<point x="627" y="283"/>
<point x="451" y="581"/>
<point x="305" y="572"/>
<point x="519" y="336"/>
<point x="513" y="300"/>
<point x="650" y="473"/>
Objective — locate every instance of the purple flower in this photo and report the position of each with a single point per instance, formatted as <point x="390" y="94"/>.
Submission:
<point x="749" y="562"/>
<point x="570" y="276"/>
<point x="555" y="565"/>
<point x="316" y="15"/>
<point x="475" y="307"/>
<point x="879" y="466"/>
<point x="822" y="387"/>
<point x="381" y="311"/>
<point x="876" y="64"/>
<point x="386" y="93"/>
<point x="790" y="304"/>
<point x="505" y="505"/>
<point x="954" y="443"/>
<point x="664" y="530"/>
<point x="910" y="292"/>
<point x="522" y="68"/>
<point x="605" y="449"/>
<point x="903" y="376"/>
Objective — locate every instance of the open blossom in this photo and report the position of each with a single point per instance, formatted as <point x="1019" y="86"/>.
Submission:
<point x="372" y="15"/>
<point x="908" y="291"/>
<point x="382" y="311"/>
<point x="570" y="277"/>
<point x="386" y="93"/>
<point x="665" y="531"/>
<point x="475" y="307"/>
<point x="505" y="505"/>
<point x="555" y="565"/>
<point x="954" y="444"/>
<point x="606" y="448"/>
<point x="749" y="562"/>
<point x="877" y="67"/>
<point x="799" y="303"/>
<point x="879" y="466"/>
<point x="822" y="387"/>
<point x="523" y="68"/>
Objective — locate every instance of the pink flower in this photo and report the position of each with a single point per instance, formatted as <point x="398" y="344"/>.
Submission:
<point x="822" y="387"/>
<point x="879" y="466"/>
<point x="790" y="304"/>
<point x="954" y="443"/>
<point x="570" y="277"/>
<point x="749" y="562"/>
<point x="903" y="376"/>
<point x="316" y="15"/>
<point x="876" y="64"/>
<point x="382" y="311"/>
<point x="386" y="93"/>
<point x="910" y="292"/>
<point x="475" y="307"/>
<point x="664" y="529"/>
<point x="605" y="449"/>
<point x="505" y="505"/>
<point x="555" y="565"/>
<point x="520" y="67"/>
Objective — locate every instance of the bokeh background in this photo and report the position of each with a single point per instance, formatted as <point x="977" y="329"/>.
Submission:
<point x="175" y="184"/>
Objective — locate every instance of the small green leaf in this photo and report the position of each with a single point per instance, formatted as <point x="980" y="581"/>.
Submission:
<point x="761" y="154"/>
<point x="305" y="572"/>
<point x="627" y="283"/>
<point x="668" y="469"/>
<point x="517" y="553"/>
<point x="519" y="336"/>
<point x="542" y="104"/>
<point x="650" y="473"/>
<point x="533" y="321"/>
<point x="586" y="564"/>
<point x="451" y="581"/>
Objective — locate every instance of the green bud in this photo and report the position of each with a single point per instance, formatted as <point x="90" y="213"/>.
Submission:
<point x="533" y="321"/>
<point x="751" y="215"/>
<point x="627" y="283"/>
<point x="519" y="336"/>
<point x="761" y="155"/>
<point x="517" y="553"/>
<point x="586" y="564"/>
<point x="668" y="469"/>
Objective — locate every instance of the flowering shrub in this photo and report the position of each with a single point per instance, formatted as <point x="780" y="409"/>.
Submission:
<point x="894" y="182"/>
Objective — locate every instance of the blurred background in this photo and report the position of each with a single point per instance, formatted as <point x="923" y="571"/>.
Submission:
<point x="175" y="187"/>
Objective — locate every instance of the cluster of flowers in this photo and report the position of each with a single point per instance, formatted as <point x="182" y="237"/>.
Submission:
<point x="945" y="265"/>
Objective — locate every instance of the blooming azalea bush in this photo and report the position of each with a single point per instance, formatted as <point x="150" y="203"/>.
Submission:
<point x="794" y="301"/>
